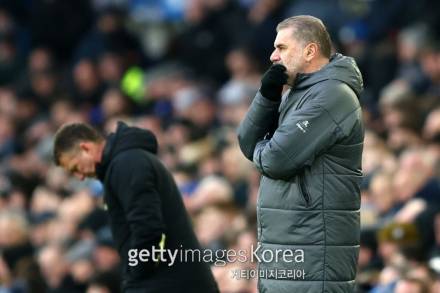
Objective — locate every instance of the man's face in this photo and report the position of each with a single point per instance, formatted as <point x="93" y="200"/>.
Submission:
<point x="288" y="52"/>
<point x="80" y="161"/>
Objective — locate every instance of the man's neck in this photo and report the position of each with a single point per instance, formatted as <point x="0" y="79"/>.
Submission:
<point x="316" y="65"/>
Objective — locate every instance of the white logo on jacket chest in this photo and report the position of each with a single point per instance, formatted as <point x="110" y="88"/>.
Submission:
<point x="303" y="125"/>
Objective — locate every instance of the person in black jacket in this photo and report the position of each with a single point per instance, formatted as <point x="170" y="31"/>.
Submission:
<point x="145" y="208"/>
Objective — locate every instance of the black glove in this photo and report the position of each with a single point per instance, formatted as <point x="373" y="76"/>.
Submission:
<point x="272" y="82"/>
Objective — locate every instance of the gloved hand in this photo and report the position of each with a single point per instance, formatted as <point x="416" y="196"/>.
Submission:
<point x="272" y="82"/>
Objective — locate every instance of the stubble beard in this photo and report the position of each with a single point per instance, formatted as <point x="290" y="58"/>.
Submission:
<point x="293" y="73"/>
<point x="291" y="79"/>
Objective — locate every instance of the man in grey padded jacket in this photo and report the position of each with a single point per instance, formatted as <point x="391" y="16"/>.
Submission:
<point x="307" y="144"/>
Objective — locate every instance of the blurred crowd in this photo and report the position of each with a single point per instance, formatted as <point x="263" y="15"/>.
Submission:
<point x="188" y="70"/>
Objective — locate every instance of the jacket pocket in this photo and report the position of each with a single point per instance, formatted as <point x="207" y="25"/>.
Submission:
<point x="303" y="189"/>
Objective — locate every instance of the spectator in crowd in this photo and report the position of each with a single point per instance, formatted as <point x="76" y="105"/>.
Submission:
<point x="412" y="285"/>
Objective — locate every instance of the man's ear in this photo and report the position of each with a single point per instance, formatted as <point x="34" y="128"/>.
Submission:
<point x="85" y="146"/>
<point x="310" y="51"/>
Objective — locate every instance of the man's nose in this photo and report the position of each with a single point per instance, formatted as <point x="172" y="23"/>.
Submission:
<point x="274" y="57"/>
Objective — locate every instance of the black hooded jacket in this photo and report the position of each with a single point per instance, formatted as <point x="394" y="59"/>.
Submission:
<point x="143" y="204"/>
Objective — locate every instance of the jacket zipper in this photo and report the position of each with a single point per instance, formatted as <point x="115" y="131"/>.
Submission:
<point x="303" y="188"/>
<point x="258" y="213"/>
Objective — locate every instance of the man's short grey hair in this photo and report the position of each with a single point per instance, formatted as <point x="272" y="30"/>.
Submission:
<point x="309" y="29"/>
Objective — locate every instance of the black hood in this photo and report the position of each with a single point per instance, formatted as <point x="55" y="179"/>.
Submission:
<point x="123" y="139"/>
<point x="340" y="68"/>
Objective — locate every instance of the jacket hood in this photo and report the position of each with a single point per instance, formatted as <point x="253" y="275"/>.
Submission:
<point x="123" y="139"/>
<point x="340" y="68"/>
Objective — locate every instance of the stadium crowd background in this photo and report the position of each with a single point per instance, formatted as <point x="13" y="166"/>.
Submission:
<point x="188" y="70"/>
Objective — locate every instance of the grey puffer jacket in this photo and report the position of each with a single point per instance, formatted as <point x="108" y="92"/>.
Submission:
<point x="309" y="198"/>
